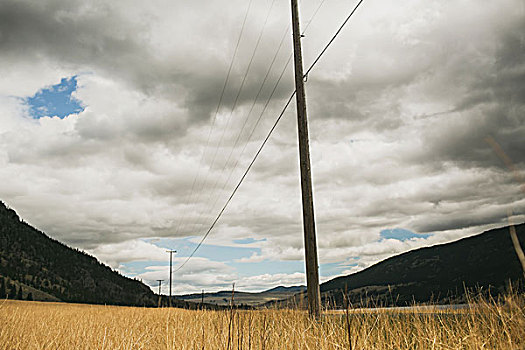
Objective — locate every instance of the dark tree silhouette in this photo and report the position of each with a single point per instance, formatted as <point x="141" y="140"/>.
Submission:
<point x="12" y="292"/>
<point x="3" y="291"/>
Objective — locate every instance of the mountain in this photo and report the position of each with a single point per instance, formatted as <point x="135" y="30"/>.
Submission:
<point x="223" y="298"/>
<point x="46" y="269"/>
<point x="439" y="274"/>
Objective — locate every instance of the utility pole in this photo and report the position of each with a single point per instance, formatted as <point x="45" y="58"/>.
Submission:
<point x="310" y="241"/>
<point x="171" y="262"/>
<point x="160" y="283"/>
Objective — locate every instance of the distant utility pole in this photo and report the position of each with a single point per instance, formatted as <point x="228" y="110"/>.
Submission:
<point x="171" y="262"/>
<point x="310" y="241"/>
<point x="160" y="283"/>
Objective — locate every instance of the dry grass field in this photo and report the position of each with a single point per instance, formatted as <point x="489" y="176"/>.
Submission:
<point x="35" y="325"/>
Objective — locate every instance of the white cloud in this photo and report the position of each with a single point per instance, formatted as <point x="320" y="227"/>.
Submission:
<point x="115" y="254"/>
<point x="216" y="277"/>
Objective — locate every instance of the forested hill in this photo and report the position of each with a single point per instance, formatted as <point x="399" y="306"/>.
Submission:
<point x="46" y="269"/>
<point x="439" y="273"/>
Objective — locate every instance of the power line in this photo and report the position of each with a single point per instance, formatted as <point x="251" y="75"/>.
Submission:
<point x="253" y="161"/>
<point x="266" y="77"/>
<point x="265" y="105"/>
<point x="333" y="38"/>
<point x="218" y="108"/>
<point x="212" y="208"/>
<point x="253" y="106"/>
<point x="268" y="136"/>
<point x="247" y="71"/>
<point x="244" y="78"/>
<point x="239" y="183"/>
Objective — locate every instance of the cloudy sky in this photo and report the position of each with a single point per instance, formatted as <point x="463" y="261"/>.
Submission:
<point x="114" y="137"/>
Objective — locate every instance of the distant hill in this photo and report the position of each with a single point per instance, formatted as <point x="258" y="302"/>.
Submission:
<point x="282" y="289"/>
<point x="223" y="298"/>
<point x="49" y="270"/>
<point x="438" y="274"/>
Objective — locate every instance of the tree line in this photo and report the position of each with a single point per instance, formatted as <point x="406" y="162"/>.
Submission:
<point x="9" y="290"/>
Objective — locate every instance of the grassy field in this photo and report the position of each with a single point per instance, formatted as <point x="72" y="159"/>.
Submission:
<point x="36" y="325"/>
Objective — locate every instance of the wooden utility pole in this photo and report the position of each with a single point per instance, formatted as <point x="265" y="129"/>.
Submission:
<point x="160" y="283"/>
<point x="310" y="241"/>
<point x="171" y="261"/>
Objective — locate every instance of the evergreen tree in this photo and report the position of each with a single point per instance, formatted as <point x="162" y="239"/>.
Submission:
<point x="12" y="292"/>
<point x="3" y="291"/>
<point x="20" y="295"/>
<point x="29" y="296"/>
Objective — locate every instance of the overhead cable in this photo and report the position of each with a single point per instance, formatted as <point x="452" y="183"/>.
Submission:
<point x="268" y="136"/>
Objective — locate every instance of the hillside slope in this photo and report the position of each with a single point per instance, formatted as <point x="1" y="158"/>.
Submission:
<point x="440" y="273"/>
<point x="30" y="258"/>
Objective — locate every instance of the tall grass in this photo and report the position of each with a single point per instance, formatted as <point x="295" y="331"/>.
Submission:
<point x="485" y="325"/>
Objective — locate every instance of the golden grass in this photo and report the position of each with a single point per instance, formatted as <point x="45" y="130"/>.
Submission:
<point x="35" y="325"/>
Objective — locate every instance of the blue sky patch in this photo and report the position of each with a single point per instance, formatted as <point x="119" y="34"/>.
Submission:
<point x="401" y="234"/>
<point x="184" y="247"/>
<point x="271" y="267"/>
<point x="333" y="269"/>
<point x="229" y="255"/>
<point x="248" y="240"/>
<point x="55" y="100"/>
